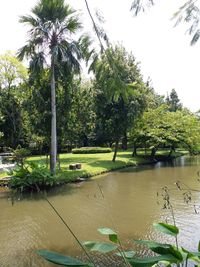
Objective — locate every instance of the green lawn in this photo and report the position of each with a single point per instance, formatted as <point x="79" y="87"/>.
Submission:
<point x="94" y="164"/>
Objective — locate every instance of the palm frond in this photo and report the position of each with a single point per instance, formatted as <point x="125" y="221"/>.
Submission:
<point x="72" y="25"/>
<point x="69" y="54"/>
<point x="52" y="10"/>
<point x="94" y="60"/>
<point x="195" y="37"/>
<point x="30" y="48"/>
<point x="25" y="51"/>
<point x="37" y="63"/>
<point x="189" y="13"/>
<point x="141" y="5"/>
<point x="84" y="43"/>
<point x="30" y="20"/>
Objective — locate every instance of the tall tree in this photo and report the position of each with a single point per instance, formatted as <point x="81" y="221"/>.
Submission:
<point x="173" y="101"/>
<point x="82" y="114"/>
<point x="52" y="27"/>
<point x="120" y="100"/>
<point x="13" y="76"/>
<point x="12" y="72"/>
<point x="160" y="128"/>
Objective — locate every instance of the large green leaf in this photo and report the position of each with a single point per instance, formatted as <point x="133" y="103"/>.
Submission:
<point x="162" y="249"/>
<point x="112" y="234"/>
<point x="100" y="247"/>
<point x="147" y="262"/>
<point x="189" y="255"/>
<point x="177" y="253"/>
<point x="163" y="263"/>
<point x="126" y="254"/>
<point x="195" y="256"/>
<point x="60" y="259"/>
<point x="106" y="231"/>
<point x="155" y="246"/>
<point x="166" y="228"/>
<point x="196" y="253"/>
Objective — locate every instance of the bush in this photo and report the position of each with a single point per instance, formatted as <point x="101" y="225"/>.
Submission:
<point x="91" y="150"/>
<point x="20" y="155"/>
<point x="31" y="177"/>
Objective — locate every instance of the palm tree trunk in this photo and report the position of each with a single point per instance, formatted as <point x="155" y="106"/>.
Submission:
<point x="53" y="154"/>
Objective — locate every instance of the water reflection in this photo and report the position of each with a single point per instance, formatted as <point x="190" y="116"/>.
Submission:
<point x="127" y="202"/>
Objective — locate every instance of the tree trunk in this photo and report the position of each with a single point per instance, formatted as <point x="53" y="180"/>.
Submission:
<point x="110" y="144"/>
<point x="125" y="142"/>
<point x="116" y="149"/>
<point x="153" y="152"/>
<point x="85" y="140"/>
<point x="47" y="160"/>
<point x="58" y="159"/>
<point x="145" y="148"/>
<point x="171" y="151"/>
<point x="134" y="150"/>
<point x="53" y="154"/>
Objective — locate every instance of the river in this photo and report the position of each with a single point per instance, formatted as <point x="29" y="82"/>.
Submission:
<point x="125" y="200"/>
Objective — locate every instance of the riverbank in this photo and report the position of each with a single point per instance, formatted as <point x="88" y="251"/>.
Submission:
<point x="95" y="164"/>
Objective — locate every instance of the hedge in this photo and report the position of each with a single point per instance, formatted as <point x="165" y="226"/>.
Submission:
<point x="91" y="150"/>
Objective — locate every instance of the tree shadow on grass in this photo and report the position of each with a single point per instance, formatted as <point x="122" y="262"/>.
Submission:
<point x="108" y="164"/>
<point x="77" y="160"/>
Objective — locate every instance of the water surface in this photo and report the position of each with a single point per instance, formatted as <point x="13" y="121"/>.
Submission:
<point x="125" y="201"/>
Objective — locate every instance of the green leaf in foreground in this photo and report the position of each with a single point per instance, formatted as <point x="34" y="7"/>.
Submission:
<point x="127" y="254"/>
<point x="60" y="259"/>
<point x="106" y="231"/>
<point x="147" y="262"/>
<point x="112" y="234"/>
<point x="155" y="246"/>
<point x="166" y="228"/>
<point x="100" y="247"/>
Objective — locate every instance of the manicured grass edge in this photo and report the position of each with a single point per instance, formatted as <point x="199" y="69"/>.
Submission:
<point x="64" y="178"/>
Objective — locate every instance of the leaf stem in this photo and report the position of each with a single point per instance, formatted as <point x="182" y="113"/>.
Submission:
<point x="174" y="222"/>
<point x="70" y="230"/>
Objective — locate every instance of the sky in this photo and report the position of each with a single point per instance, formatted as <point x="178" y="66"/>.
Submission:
<point x="164" y="51"/>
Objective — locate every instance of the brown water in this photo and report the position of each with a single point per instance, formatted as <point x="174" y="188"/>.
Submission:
<point x="128" y="205"/>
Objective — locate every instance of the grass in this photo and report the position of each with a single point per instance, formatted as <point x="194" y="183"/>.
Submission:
<point x="3" y="174"/>
<point x="94" y="164"/>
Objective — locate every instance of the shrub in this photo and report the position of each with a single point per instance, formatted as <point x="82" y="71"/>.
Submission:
<point x="20" y="155"/>
<point x="91" y="150"/>
<point x="31" y="177"/>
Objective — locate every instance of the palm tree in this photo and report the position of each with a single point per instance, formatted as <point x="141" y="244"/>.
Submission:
<point x="52" y="27"/>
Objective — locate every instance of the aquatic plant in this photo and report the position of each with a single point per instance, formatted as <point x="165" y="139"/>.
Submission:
<point x="31" y="177"/>
<point x="165" y="254"/>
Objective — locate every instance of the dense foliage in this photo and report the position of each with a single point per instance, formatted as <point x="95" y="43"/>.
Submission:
<point x="31" y="177"/>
